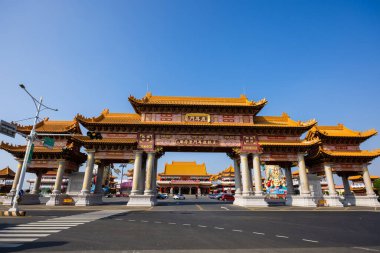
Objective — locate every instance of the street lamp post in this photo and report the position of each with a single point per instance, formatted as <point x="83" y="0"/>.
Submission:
<point x="31" y="137"/>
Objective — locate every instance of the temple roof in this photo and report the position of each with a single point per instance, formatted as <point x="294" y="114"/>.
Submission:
<point x="358" y="153"/>
<point x="20" y="149"/>
<point x="107" y="118"/>
<point x="184" y="169"/>
<point x="87" y="140"/>
<point x="339" y="131"/>
<point x="360" y="177"/>
<point x="203" y="101"/>
<point x="291" y="143"/>
<point x="52" y="126"/>
<point x="7" y="173"/>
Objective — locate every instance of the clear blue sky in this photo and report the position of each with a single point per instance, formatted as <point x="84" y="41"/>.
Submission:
<point x="311" y="59"/>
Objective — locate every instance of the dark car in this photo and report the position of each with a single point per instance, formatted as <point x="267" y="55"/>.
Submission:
<point x="162" y="196"/>
<point x="218" y="196"/>
<point x="227" y="197"/>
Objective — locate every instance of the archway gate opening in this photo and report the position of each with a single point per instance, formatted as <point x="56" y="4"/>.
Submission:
<point x="230" y="125"/>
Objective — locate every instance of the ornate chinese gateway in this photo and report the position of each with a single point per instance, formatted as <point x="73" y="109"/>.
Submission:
<point x="231" y="125"/>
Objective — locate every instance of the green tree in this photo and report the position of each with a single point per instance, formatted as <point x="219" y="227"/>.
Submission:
<point x="376" y="186"/>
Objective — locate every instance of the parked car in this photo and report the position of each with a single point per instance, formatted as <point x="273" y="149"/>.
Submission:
<point x="179" y="197"/>
<point x="212" y="195"/>
<point x="162" y="196"/>
<point x="227" y="197"/>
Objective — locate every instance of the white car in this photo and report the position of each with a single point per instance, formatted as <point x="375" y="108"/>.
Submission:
<point x="179" y="197"/>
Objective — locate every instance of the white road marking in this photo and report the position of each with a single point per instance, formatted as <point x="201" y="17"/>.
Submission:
<point x="224" y="208"/>
<point x="115" y="219"/>
<point x="144" y="221"/>
<point x="201" y="226"/>
<point x="42" y="228"/>
<point x="307" y="240"/>
<point x="158" y="222"/>
<point x="172" y="223"/>
<point x="258" y="233"/>
<point x="237" y="230"/>
<point x="131" y="220"/>
<point x="22" y="235"/>
<point x="63" y="221"/>
<point x="282" y="236"/>
<point x="55" y="223"/>
<point x="367" y="249"/>
<point x="9" y="245"/>
<point x="218" y="228"/>
<point x="45" y="225"/>
<point x="30" y="231"/>
<point x="17" y="239"/>
<point x="186" y="224"/>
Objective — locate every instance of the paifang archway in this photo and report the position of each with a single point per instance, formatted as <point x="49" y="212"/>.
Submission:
<point x="164" y="123"/>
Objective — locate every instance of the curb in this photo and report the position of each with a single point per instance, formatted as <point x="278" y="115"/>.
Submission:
<point x="13" y="214"/>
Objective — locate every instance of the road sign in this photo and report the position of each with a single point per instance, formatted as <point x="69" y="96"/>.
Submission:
<point x="8" y="129"/>
<point x="48" y="142"/>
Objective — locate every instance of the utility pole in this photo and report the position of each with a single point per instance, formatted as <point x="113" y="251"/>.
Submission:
<point x="31" y="137"/>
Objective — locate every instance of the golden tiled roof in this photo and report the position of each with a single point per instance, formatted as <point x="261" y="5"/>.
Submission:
<point x="52" y="126"/>
<point x="184" y="169"/>
<point x="21" y="148"/>
<point x="108" y="118"/>
<point x="299" y="143"/>
<point x="358" y="153"/>
<point x="339" y="131"/>
<point x="360" y="177"/>
<point x="7" y="173"/>
<point x="176" y="100"/>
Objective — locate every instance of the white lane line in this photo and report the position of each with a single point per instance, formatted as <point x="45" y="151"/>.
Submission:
<point x="63" y="221"/>
<point x="46" y="225"/>
<point x="186" y="224"/>
<point x="23" y="235"/>
<point x="131" y="220"/>
<point x="237" y="230"/>
<point x="218" y="228"/>
<point x="29" y="231"/>
<point x="282" y="236"/>
<point x="307" y="240"/>
<point x="55" y="224"/>
<point x="9" y="245"/>
<point x="172" y="223"/>
<point x="224" y="208"/>
<point x="42" y="228"/>
<point x="367" y="249"/>
<point x="144" y="221"/>
<point x="158" y="222"/>
<point x="115" y="219"/>
<point x="258" y="233"/>
<point x="17" y="239"/>
<point x="201" y="226"/>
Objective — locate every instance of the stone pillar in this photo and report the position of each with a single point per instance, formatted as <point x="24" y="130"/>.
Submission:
<point x="171" y="191"/>
<point x="289" y="180"/>
<point x="180" y="190"/>
<point x="137" y="172"/>
<point x="142" y="176"/>
<point x="199" y="191"/>
<point x="17" y="178"/>
<point x="99" y="179"/>
<point x="37" y="184"/>
<point x="332" y="199"/>
<point x="149" y="174"/>
<point x="330" y="180"/>
<point x="250" y="181"/>
<point x="303" y="180"/>
<point x="237" y="178"/>
<point x="154" y="179"/>
<point x="346" y="185"/>
<point x="257" y="175"/>
<point x="88" y="172"/>
<point x="59" y="177"/>
<point x="245" y="173"/>
<point x="368" y="182"/>
<point x="304" y="199"/>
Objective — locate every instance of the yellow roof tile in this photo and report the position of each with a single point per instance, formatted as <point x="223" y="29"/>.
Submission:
<point x="339" y="131"/>
<point x="52" y="126"/>
<point x="184" y="169"/>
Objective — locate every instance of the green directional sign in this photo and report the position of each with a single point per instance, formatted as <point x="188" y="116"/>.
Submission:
<point x="49" y="142"/>
<point x="31" y="153"/>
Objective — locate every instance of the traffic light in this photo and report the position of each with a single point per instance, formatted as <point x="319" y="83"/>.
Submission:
<point x="94" y="135"/>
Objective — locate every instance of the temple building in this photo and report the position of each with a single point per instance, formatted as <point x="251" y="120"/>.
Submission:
<point x="7" y="176"/>
<point x="232" y="126"/>
<point x="224" y="181"/>
<point x="48" y="181"/>
<point x="358" y="185"/>
<point x="184" y="178"/>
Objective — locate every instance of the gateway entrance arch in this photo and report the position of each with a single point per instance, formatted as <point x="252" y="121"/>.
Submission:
<point x="230" y="125"/>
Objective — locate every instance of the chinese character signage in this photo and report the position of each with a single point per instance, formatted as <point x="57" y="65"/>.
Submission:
<point x="250" y="144"/>
<point x="197" y="117"/>
<point x="146" y="142"/>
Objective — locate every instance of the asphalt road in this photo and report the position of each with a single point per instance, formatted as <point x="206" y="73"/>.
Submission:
<point x="191" y="226"/>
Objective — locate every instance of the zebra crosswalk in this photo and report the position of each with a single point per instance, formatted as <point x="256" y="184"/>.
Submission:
<point x="15" y="236"/>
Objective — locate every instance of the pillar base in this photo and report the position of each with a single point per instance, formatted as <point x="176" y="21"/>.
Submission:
<point x="88" y="199"/>
<point x="349" y="200"/>
<point x="297" y="200"/>
<point x="142" y="201"/>
<point x="26" y="199"/>
<point x="370" y="201"/>
<point x="250" y="201"/>
<point x="56" y="199"/>
<point x="333" y="201"/>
